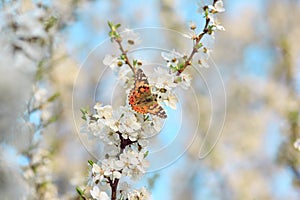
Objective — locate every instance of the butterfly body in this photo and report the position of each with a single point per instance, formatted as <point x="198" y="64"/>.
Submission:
<point x="142" y="100"/>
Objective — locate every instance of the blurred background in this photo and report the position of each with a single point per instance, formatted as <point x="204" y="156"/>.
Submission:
<point x="45" y="48"/>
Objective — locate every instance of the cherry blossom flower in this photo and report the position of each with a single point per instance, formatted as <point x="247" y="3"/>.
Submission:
<point x="171" y="101"/>
<point x="97" y="173"/>
<point x="297" y="144"/>
<point x="217" y="8"/>
<point x="185" y="80"/>
<point x="113" y="62"/>
<point x="130" y="38"/>
<point x="161" y="78"/>
<point x="172" y="58"/>
<point x="141" y="194"/>
<point x="133" y="163"/>
<point x="99" y="195"/>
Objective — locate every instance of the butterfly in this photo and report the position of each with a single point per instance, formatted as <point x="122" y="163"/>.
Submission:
<point x="141" y="99"/>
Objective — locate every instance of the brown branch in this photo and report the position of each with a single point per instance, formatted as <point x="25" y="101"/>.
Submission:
<point x="124" y="53"/>
<point x="114" y="184"/>
<point x="124" y="142"/>
<point x="195" y="47"/>
<point x="114" y="188"/>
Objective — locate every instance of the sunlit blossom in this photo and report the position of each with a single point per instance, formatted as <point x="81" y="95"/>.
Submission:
<point x="99" y="195"/>
<point x="297" y="144"/>
<point x="217" y="8"/>
<point x="172" y="57"/>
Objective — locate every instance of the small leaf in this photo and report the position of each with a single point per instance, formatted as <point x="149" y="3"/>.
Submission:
<point x="39" y="71"/>
<point x="53" y="97"/>
<point x="146" y="154"/>
<point x="110" y="24"/>
<point x="50" y="23"/>
<point x="134" y="62"/>
<point x="91" y="162"/>
<point x="123" y="57"/>
<point x="180" y="66"/>
<point x="146" y="118"/>
<point x="79" y="191"/>
<point x="199" y="45"/>
<point x="53" y="119"/>
<point x="178" y="79"/>
<point x="84" y="111"/>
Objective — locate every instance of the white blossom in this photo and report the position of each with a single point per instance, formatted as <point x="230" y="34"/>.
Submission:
<point x="24" y="37"/>
<point x="161" y="78"/>
<point x="113" y="62"/>
<point x="190" y="35"/>
<point x="172" y="58"/>
<point x="149" y="127"/>
<point x="97" y="173"/>
<point x="40" y="96"/>
<point x="217" y="8"/>
<point x="133" y="163"/>
<point x="297" y="144"/>
<point x="104" y="112"/>
<point x="216" y="24"/>
<point x="124" y="121"/>
<point x="99" y="195"/>
<point x="203" y="63"/>
<point x="125" y="77"/>
<point x="171" y="101"/>
<point x="141" y="194"/>
<point x="130" y="38"/>
<point x="111" y="169"/>
<point x="185" y="80"/>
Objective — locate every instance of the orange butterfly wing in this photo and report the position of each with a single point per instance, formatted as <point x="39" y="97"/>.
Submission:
<point x="142" y="100"/>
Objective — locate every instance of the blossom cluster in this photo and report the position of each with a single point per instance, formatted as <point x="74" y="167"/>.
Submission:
<point x="125" y="131"/>
<point x="27" y="35"/>
<point x="211" y="26"/>
<point x="124" y="134"/>
<point x="39" y="173"/>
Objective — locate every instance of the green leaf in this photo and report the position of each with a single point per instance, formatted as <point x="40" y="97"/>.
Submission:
<point x="146" y="154"/>
<point x="293" y="116"/>
<point x="79" y="191"/>
<point x="53" y="119"/>
<point x="84" y="111"/>
<point x="110" y="24"/>
<point x="211" y="29"/>
<point x="178" y="80"/>
<point x="53" y="97"/>
<point x="199" y="45"/>
<point x="206" y="11"/>
<point x="134" y="62"/>
<point x="118" y="25"/>
<point x="91" y="162"/>
<point x="146" y="118"/>
<point x="123" y="57"/>
<point x="50" y="23"/>
<point x="180" y="66"/>
<point x="39" y="71"/>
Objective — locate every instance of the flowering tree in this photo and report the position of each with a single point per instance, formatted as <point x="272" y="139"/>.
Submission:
<point x="258" y="156"/>
<point x="124" y="131"/>
<point x="32" y="50"/>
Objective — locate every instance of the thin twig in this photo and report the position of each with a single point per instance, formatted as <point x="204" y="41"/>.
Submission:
<point x="124" y="53"/>
<point x="195" y="47"/>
